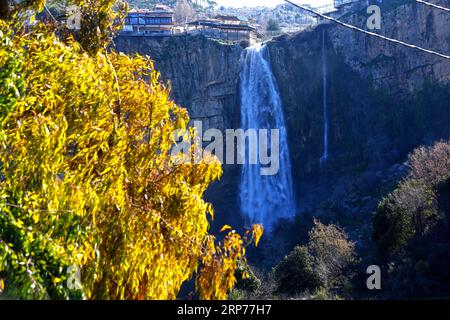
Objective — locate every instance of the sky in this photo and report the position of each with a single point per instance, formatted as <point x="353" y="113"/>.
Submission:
<point x="267" y="3"/>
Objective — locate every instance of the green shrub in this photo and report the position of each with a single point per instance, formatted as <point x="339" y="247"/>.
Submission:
<point x="295" y="273"/>
<point x="392" y="227"/>
<point x="246" y="278"/>
<point x="408" y="211"/>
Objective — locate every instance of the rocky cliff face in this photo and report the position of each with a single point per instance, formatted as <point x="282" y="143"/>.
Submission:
<point x="393" y="66"/>
<point x="203" y="74"/>
<point x="384" y="100"/>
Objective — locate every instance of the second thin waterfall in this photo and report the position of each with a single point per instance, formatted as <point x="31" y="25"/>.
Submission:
<point x="264" y="199"/>
<point x="324" y="158"/>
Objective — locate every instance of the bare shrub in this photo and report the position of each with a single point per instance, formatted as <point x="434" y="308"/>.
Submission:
<point x="430" y="165"/>
<point x="333" y="252"/>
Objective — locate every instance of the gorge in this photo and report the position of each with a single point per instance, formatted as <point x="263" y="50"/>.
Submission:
<point x="358" y="103"/>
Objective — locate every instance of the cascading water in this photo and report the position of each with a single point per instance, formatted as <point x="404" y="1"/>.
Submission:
<point x="264" y="199"/>
<point x="324" y="157"/>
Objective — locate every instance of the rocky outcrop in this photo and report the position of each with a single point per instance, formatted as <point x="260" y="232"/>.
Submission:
<point x="202" y="73"/>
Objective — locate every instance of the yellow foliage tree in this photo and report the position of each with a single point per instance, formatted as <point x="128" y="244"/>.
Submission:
<point x="87" y="178"/>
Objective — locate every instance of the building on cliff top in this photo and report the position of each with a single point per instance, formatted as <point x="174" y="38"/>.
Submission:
<point x="156" y="22"/>
<point x="222" y="27"/>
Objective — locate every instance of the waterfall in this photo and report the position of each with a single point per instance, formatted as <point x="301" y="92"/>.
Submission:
<point x="324" y="158"/>
<point x="264" y="199"/>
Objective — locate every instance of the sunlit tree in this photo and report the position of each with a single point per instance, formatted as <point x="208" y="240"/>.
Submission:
<point x="87" y="178"/>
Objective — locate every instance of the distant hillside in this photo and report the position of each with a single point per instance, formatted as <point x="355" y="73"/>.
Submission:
<point x="148" y="4"/>
<point x="287" y="16"/>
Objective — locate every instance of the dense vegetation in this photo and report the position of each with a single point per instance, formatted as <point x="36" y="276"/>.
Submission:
<point x="92" y="203"/>
<point x="410" y="242"/>
<point x="411" y="227"/>
<point x="321" y="269"/>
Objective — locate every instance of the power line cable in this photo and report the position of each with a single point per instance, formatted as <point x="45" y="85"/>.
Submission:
<point x="434" y="5"/>
<point x="405" y="44"/>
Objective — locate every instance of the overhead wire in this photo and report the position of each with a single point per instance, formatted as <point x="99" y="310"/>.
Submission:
<point x="373" y="34"/>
